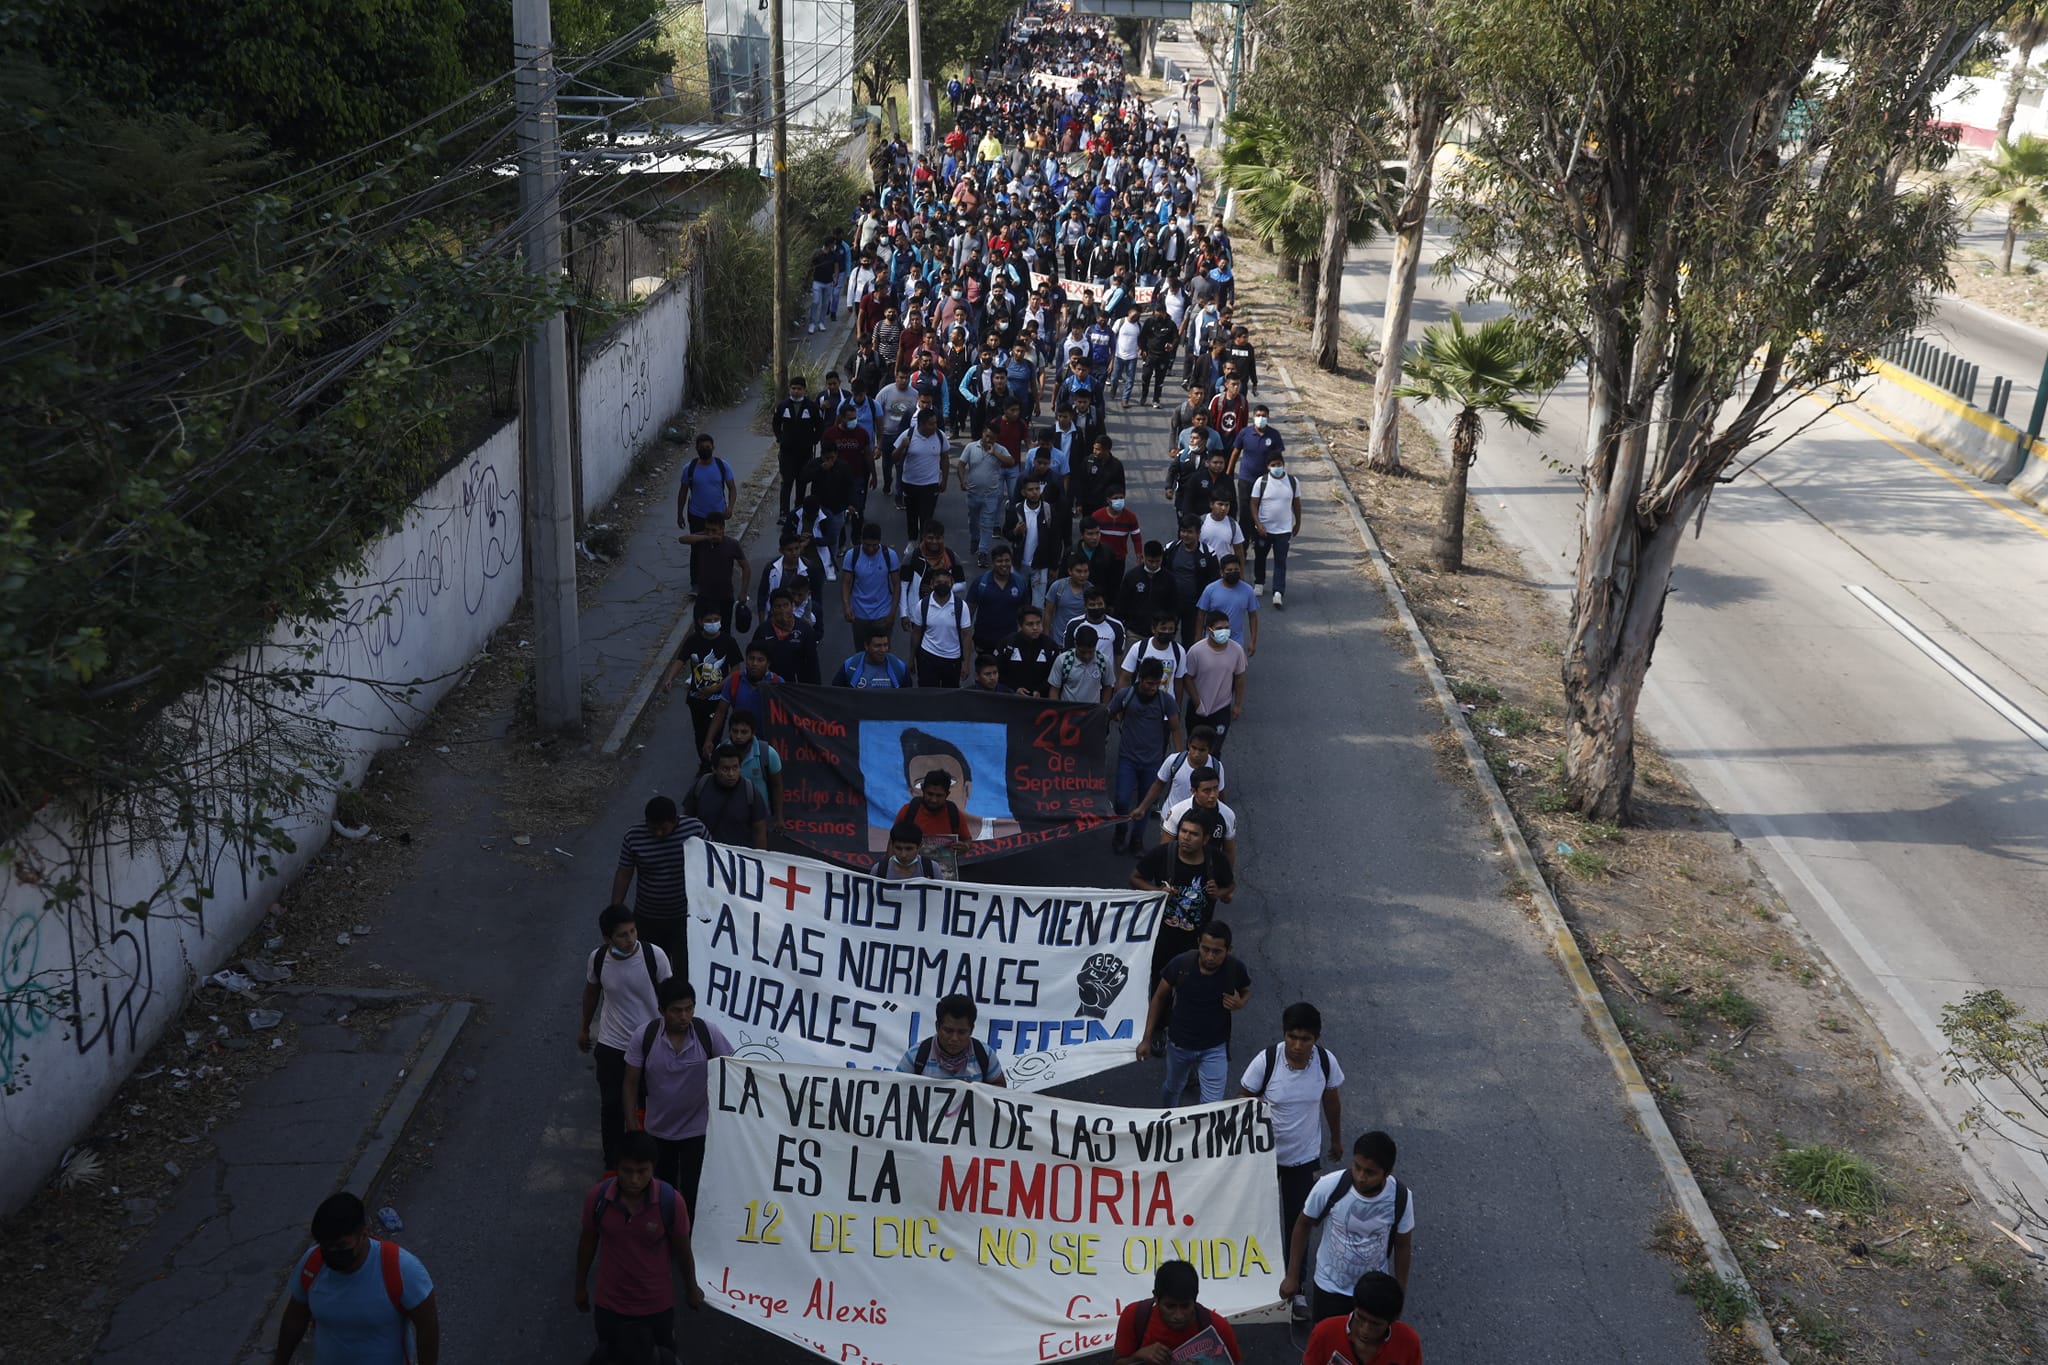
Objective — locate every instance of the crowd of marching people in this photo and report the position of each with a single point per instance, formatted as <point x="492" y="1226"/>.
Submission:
<point x="1014" y="292"/>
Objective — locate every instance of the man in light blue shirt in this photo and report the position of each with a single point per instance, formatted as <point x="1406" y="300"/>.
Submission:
<point x="1234" y="597"/>
<point x="366" y="1297"/>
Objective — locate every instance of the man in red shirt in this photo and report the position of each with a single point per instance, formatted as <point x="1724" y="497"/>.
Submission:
<point x="1372" y="1333"/>
<point x="641" y="1223"/>
<point x="1151" y="1330"/>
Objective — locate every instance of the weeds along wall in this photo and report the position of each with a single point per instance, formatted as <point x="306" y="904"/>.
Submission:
<point x="86" y="985"/>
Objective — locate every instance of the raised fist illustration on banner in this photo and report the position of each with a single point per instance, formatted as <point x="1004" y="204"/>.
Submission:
<point x="1100" y="980"/>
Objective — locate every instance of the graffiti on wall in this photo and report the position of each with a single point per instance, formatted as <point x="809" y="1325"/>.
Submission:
<point x="459" y="549"/>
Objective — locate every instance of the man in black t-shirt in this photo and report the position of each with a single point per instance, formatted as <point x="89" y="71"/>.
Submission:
<point x="1194" y="876"/>
<point x="1197" y="993"/>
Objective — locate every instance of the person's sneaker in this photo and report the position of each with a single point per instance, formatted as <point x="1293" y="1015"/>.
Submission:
<point x="982" y="559"/>
<point x="1119" y="840"/>
<point x="831" y="572"/>
<point x="1258" y="590"/>
<point x="1299" y="1308"/>
<point x="1277" y="600"/>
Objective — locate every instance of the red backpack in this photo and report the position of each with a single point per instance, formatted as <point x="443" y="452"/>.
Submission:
<point x="394" y="1284"/>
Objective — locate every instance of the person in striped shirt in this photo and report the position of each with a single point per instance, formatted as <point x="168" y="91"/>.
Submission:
<point x="652" y="854"/>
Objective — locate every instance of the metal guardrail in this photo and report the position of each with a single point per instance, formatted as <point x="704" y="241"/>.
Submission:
<point x="1948" y="371"/>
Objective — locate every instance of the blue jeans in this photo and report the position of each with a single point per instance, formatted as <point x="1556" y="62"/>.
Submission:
<point x="1131" y="779"/>
<point x="1210" y="1067"/>
<point x="822" y="296"/>
<point x="981" y="519"/>
<point x="1125" y="370"/>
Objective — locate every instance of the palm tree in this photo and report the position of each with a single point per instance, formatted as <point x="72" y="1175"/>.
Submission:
<point x="1279" y="195"/>
<point x="2016" y="176"/>
<point x="1487" y="373"/>
<point x="2025" y="26"/>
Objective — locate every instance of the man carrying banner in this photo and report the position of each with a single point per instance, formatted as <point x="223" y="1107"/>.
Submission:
<point x="953" y="1053"/>
<point x="1153" y="1331"/>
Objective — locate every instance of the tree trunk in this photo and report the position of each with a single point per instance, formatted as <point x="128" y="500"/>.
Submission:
<point x="1450" y="531"/>
<point x="1308" y="281"/>
<point x="1425" y="130"/>
<point x="1613" y="632"/>
<point x="2012" y="234"/>
<point x="1327" y="332"/>
<point x="2022" y="59"/>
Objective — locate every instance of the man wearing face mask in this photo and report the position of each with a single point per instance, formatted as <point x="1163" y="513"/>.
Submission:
<point x="1232" y="596"/>
<point x="1275" y="509"/>
<point x="1147" y="589"/>
<point x="1215" y="691"/>
<point x="366" y="1297"/>
<point x="1251" y="451"/>
<point x="1119" y="525"/>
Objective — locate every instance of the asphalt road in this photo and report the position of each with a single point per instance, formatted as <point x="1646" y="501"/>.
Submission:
<point x="1369" y="885"/>
<point x="1903" y="818"/>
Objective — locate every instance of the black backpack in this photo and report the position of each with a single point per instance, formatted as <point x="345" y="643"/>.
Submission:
<point x="1400" y="1207"/>
<point x="697" y="1026"/>
<point x="1273" y="1066"/>
<point x="923" y="1058"/>
<point x="598" y="958"/>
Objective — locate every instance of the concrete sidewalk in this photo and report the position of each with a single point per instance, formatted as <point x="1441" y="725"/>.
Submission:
<point x="206" y="1281"/>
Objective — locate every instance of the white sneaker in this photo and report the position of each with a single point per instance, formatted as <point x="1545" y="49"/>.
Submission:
<point x="1258" y="590"/>
<point x="831" y="573"/>
<point x="812" y="328"/>
<point x="1276" y="600"/>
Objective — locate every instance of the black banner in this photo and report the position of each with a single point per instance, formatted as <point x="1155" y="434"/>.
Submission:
<point x="1024" y="771"/>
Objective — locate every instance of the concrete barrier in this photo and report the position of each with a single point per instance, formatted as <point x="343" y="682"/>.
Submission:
<point x="1987" y="446"/>
<point x="2032" y="482"/>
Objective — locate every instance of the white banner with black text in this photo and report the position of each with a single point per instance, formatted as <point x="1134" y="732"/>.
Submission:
<point x="802" y="961"/>
<point x="885" y="1218"/>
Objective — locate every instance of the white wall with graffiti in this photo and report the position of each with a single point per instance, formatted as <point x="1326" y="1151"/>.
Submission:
<point x="85" y="989"/>
<point x="630" y="386"/>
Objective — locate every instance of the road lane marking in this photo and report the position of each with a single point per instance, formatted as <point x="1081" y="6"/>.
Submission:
<point x="1952" y="666"/>
<point x="1852" y="419"/>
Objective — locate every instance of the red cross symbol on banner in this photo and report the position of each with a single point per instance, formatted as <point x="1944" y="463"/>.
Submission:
<point x="790" y="887"/>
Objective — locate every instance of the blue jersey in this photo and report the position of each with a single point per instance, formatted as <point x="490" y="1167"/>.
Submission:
<point x="353" y="1314"/>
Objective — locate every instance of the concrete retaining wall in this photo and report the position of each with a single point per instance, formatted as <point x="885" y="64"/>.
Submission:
<point x="1987" y="446"/>
<point x="85" y="990"/>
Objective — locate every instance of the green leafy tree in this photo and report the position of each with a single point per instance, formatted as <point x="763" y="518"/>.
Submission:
<point x="2015" y="179"/>
<point x="2000" y="1054"/>
<point x="1278" y="195"/>
<point x="2024" y="28"/>
<point x="1634" y="198"/>
<point x="955" y="33"/>
<point x="1487" y="373"/>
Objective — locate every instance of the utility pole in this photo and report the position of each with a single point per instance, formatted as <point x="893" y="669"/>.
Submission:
<point x="1236" y="60"/>
<point x="775" y="91"/>
<point x="544" y="394"/>
<point x="917" y="109"/>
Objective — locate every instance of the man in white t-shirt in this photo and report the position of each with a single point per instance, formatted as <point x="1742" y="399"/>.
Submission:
<point x="1368" y="1222"/>
<point x="1174" y="782"/>
<point x="1204" y="801"/>
<point x="1298" y="1078"/>
<point x="619" y="983"/>
<point x="1162" y="644"/>
<point x="1125" y="371"/>
<point x="941" y="630"/>
<point x="1275" y="514"/>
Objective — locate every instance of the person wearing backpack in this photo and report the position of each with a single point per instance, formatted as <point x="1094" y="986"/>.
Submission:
<point x="1149" y="1331"/>
<point x="673" y="1055"/>
<point x="952" y="1052"/>
<point x="1368" y="1221"/>
<point x="621" y="1008"/>
<point x="941" y="631"/>
<point x="1193" y="1001"/>
<point x="370" y="1302"/>
<point x="1298" y="1080"/>
<point x="732" y="811"/>
<point x="636" y="1218"/>
<point x="906" y="859"/>
<point x="1149" y="731"/>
